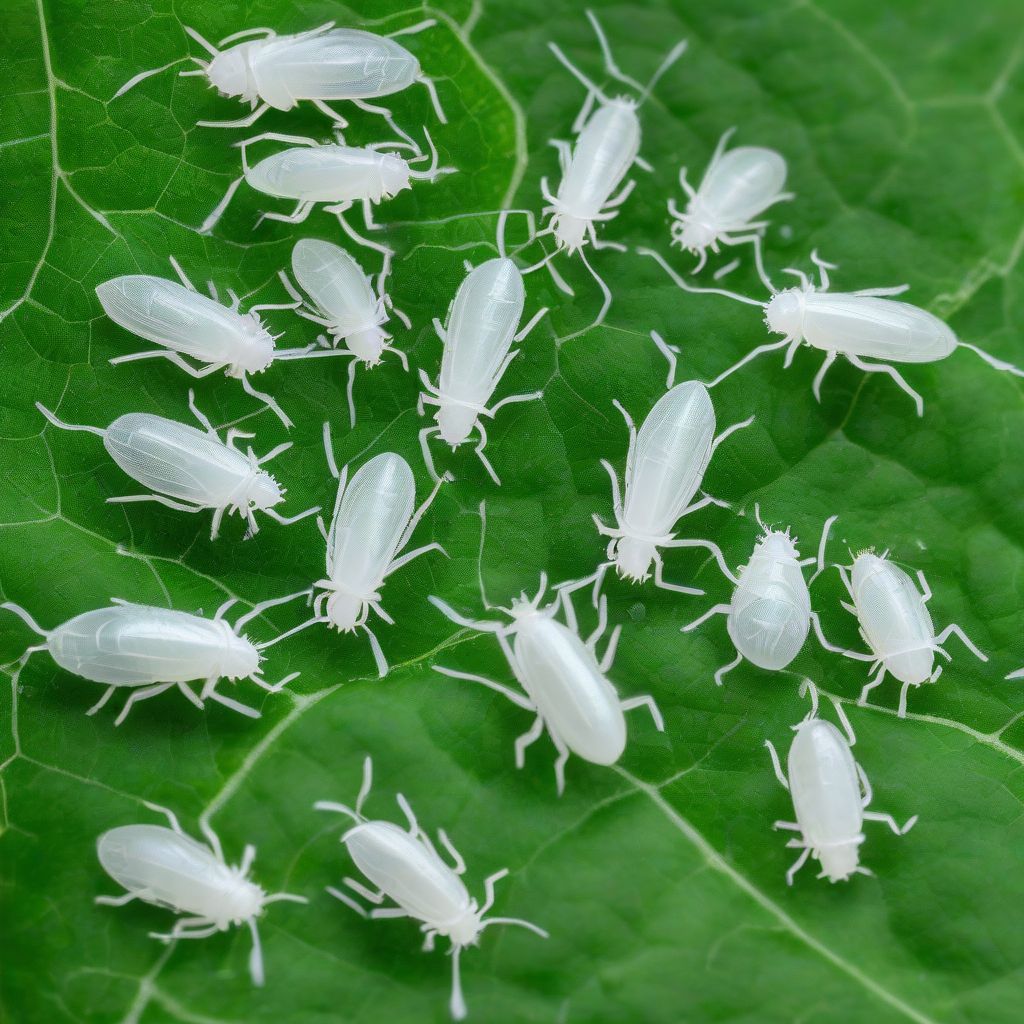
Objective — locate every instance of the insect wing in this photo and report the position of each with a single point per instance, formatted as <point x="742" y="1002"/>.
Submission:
<point x="604" y="152"/>
<point x="482" y="324"/>
<point x="824" y="783"/>
<point x="175" y="459"/>
<point x="336" y="284"/>
<point x="134" y="644"/>
<point x="407" y="870"/>
<point x="171" y="870"/>
<point x="172" y="315"/>
<point x="370" y="518"/>
<point x="342" y="64"/>
<point x="672" y="452"/>
<point x="742" y="183"/>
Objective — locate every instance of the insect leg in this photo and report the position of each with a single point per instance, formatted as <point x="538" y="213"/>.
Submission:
<point x="68" y="426"/>
<point x="605" y="291"/>
<point x="297" y="216"/>
<point x="107" y="694"/>
<point x="877" y="681"/>
<point x="676" y="588"/>
<point x="533" y="321"/>
<point x="378" y="654"/>
<point x="241" y="122"/>
<point x="460" y="864"/>
<point x="731" y="430"/>
<point x="953" y="628"/>
<point x="887" y="819"/>
<point x="721" y="673"/>
<point x="531" y="396"/>
<point x="218" y="211"/>
<point x="718" y="609"/>
<point x="160" y="499"/>
<point x="480" y="453"/>
<point x="646" y="701"/>
<point x="530" y="736"/>
<point x="347" y="900"/>
<point x="353" y="234"/>
<point x="894" y="374"/>
<point x="819" y="633"/>
<point x="755" y="241"/>
<point x="144" y="694"/>
<point x="708" y="545"/>
<point x="189" y="694"/>
<point x="234" y="705"/>
<point x="797" y="865"/>
<point x="617" y="200"/>
<point x="680" y="283"/>
<point x="120" y="901"/>
<point x="669" y="352"/>
<point x="776" y="764"/>
<point x="267" y="400"/>
<point x="788" y="826"/>
<point x="563" y="757"/>
<point x="368" y="894"/>
<point x="998" y="364"/>
<point x="518" y="699"/>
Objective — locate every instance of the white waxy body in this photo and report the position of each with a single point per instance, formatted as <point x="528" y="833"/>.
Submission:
<point x="185" y="321"/>
<point x="894" y="618"/>
<point x="578" y="704"/>
<point x="827" y="796"/>
<point x="737" y="187"/>
<point x="340" y="64"/>
<point x="770" y="612"/>
<point x="188" y="464"/>
<point x="482" y="322"/>
<point x="342" y="295"/>
<point x="136" y="645"/>
<point x="330" y="174"/>
<point x="860" y="325"/>
<point x="605" y="150"/>
<point x="172" y="870"/>
<point x="405" y="869"/>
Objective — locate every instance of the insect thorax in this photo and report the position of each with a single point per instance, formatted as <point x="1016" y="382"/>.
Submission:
<point x="465" y="929"/>
<point x="784" y="314"/>
<point x="231" y="74"/>
<point x="345" y="611"/>
<point x="240" y="901"/>
<point x="456" y="421"/>
<point x="633" y="557"/>
<point x="367" y="344"/>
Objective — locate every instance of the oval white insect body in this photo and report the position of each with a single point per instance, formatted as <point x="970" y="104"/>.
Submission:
<point x="330" y="173"/>
<point x="188" y="322"/>
<point x="827" y="797"/>
<point x="605" y="150"/>
<point x="134" y="645"/>
<point x="671" y="454"/>
<point x="482" y="323"/>
<point x="561" y="676"/>
<point x="343" y="295"/>
<point x="370" y="520"/>
<point x="415" y="877"/>
<point x="188" y="464"/>
<point x="770" y="612"/>
<point x="860" y="325"/>
<point x="340" y="64"/>
<point x="173" y="870"/>
<point x="895" y="619"/>
<point x="738" y="186"/>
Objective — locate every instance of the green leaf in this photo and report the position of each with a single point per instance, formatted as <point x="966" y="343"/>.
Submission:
<point x="660" y="880"/>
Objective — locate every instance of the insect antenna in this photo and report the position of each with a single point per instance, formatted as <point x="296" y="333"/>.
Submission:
<point x="433" y="171"/>
<point x="256" y="956"/>
<point x="208" y="46"/>
<point x="529" y="925"/>
<point x="999" y="364"/>
<point x="26" y="618"/>
<point x="143" y="75"/>
<point x="68" y="426"/>
<point x="644" y="251"/>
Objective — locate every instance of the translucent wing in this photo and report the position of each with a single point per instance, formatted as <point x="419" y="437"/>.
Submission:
<point x="336" y="284"/>
<point x="369" y="521"/>
<point x="174" y="316"/>
<point x="174" y="870"/>
<point x="672" y="452"/>
<point x="132" y="645"/>
<point x="741" y="184"/>
<point x="342" y="64"/>
<point x="175" y="459"/>
<point x="604" y="152"/>
<point x="404" y="868"/>
<point x="484" y="318"/>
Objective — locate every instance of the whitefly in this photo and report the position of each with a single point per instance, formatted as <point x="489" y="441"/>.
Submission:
<point x="831" y="794"/>
<point x="146" y="651"/>
<point x="192" y="470"/>
<point x="607" y="147"/>
<point x="332" y="175"/>
<point x="770" y="614"/>
<point x="189" y="325"/>
<point x="861" y="325"/>
<point x="326" y="64"/>
<point x="168" y="868"/>
<point x="403" y="865"/>
<point x="374" y="518"/>
<point x="342" y="299"/>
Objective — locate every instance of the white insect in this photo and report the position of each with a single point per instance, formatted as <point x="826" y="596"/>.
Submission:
<point x="482" y="327"/>
<point x="859" y="324"/>
<point x="192" y="470"/>
<point x="607" y="147"/>
<point x="895" y="624"/>
<point x="566" y="685"/>
<point x="148" y="650"/>
<point x="372" y="522"/>
<point x="167" y="868"/>
<point x="830" y="793"/>
<point x="738" y="186"/>
<point x="342" y="300"/>
<point x="770" y="613"/>
<point x="665" y="467"/>
<point x="326" y="63"/>
<point x="405" y="867"/>
<point x="330" y="173"/>
<point x="188" y="323"/>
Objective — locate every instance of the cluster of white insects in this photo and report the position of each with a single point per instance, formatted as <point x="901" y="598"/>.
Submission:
<point x="564" y="681"/>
